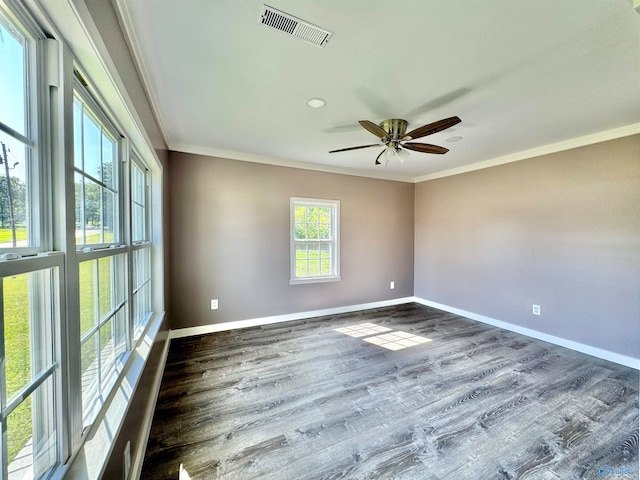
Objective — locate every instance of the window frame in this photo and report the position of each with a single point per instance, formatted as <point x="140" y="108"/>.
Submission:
<point x="36" y="111"/>
<point x="96" y="112"/>
<point x="334" y="241"/>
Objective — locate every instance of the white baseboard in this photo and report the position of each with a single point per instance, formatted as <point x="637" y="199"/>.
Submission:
<point x="254" y="322"/>
<point x="562" y="342"/>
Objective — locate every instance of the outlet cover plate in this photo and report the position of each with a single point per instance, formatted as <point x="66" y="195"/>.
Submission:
<point x="536" y="309"/>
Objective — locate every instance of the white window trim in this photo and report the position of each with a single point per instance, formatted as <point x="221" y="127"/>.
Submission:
<point x="334" y="205"/>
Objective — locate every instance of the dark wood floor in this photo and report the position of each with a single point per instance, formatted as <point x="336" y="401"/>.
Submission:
<point x="299" y="400"/>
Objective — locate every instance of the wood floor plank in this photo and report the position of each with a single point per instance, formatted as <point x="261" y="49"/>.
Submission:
<point x="300" y="400"/>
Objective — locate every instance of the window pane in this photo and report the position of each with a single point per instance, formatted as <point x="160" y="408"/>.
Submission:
<point x="28" y="334"/>
<point x="104" y="337"/>
<point x="107" y="349"/>
<point x="91" y="143"/>
<point x="89" y="366"/>
<point x="14" y="208"/>
<point x="92" y="212"/>
<point x="302" y="269"/>
<point x="104" y="285"/>
<point x="17" y="333"/>
<point x="109" y="216"/>
<point x="325" y="266"/>
<point x="29" y="351"/>
<point x="79" y="194"/>
<point x="120" y="333"/>
<point x="324" y="231"/>
<point x="138" y="204"/>
<point x="301" y="214"/>
<point x="301" y="231"/>
<point x="312" y="231"/>
<point x="87" y="287"/>
<point x="325" y="215"/>
<point x="138" y="223"/>
<point x="142" y="286"/>
<point x="312" y="214"/>
<point x="31" y="434"/>
<point x="108" y="160"/>
<point x="314" y="267"/>
<point x="13" y="92"/>
<point x="77" y="133"/>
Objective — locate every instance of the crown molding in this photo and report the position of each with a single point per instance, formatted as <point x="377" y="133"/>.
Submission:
<point x="585" y="140"/>
<point x="126" y="24"/>
<point x="281" y="162"/>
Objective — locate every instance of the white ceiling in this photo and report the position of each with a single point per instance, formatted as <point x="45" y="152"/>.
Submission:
<point x="521" y="75"/>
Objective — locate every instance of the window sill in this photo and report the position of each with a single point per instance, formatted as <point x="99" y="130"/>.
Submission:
<point x="303" y="281"/>
<point x="92" y="457"/>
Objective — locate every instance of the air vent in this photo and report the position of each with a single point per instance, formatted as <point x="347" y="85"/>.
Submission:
<point x="294" y="26"/>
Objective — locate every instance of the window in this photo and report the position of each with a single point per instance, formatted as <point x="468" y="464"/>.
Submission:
<point x="315" y="240"/>
<point x="102" y="262"/>
<point x="77" y="258"/>
<point x="31" y="445"/>
<point x="19" y="219"/>
<point x="96" y="181"/>
<point x="29" y="400"/>
<point x="103" y="326"/>
<point x="141" y="247"/>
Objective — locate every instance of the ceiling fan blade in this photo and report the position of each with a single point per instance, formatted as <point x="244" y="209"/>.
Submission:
<point x="425" y="148"/>
<point x="377" y="130"/>
<point x="354" y="148"/>
<point x="432" y="128"/>
<point x="378" y="157"/>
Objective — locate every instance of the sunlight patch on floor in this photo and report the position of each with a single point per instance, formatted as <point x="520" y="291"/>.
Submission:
<point x="362" y="330"/>
<point x="376" y="334"/>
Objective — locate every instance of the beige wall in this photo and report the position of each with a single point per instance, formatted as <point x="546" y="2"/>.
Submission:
<point x="230" y="240"/>
<point x="561" y="231"/>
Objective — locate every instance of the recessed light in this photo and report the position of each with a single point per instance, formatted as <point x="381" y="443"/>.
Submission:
<point x="316" y="102"/>
<point x="454" y="139"/>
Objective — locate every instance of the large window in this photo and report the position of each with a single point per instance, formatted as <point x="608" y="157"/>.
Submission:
<point x="31" y="444"/>
<point x="102" y="262"/>
<point x="77" y="289"/>
<point x="315" y="240"/>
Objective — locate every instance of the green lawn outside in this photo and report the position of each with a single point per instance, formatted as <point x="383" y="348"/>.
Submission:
<point x="6" y="235"/>
<point x="17" y="358"/>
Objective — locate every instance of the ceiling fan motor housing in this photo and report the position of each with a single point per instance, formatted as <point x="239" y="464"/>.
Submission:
<point x="395" y="127"/>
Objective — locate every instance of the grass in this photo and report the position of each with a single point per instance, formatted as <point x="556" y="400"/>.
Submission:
<point x="17" y="358"/>
<point x="6" y="236"/>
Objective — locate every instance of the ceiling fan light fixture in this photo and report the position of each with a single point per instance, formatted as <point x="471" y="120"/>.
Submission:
<point x="388" y="154"/>
<point x="402" y="154"/>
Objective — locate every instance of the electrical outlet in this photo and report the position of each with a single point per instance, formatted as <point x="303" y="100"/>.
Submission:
<point x="392" y="285"/>
<point x="126" y="461"/>
<point x="536" y="309"/>
<point x="214" y="304"/>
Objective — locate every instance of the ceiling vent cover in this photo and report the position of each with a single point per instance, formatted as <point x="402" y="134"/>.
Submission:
<point x="294" y="26"/>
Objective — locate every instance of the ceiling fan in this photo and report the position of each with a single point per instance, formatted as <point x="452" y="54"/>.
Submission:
<point x="392" y="134"/>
